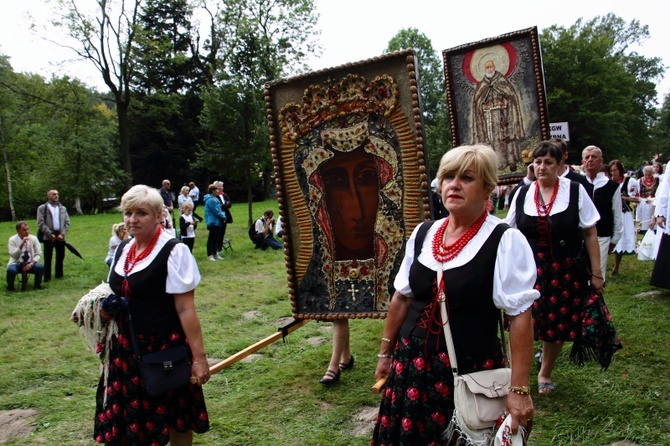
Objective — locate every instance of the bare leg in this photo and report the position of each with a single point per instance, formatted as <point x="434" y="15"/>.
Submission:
<point x="617" y="262"/>
<point x="341" y="350"/>
<point x="181" y="439"/>
<point x="550" y="353"/>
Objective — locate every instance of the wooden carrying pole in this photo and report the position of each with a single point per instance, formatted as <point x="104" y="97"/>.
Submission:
<point x="283" y="331"/>
<point x="379" y="385"/>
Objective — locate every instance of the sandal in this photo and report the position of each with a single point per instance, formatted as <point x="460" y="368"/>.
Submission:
<point x="545" y="388"/>
<point x="330" y="377"/>
<point x="347" y="365"/>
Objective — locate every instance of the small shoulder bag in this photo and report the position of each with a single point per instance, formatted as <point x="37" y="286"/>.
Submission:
<point x="480" y="397"/>
<point x="163" y="370"/>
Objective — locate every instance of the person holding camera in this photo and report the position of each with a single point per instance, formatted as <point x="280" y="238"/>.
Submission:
<point x="265" y="227"/>
<point x="24" y="254"/>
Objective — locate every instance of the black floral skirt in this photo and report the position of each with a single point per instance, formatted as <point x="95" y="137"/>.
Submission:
<point x="570" y="310"/>
<point x="418" y="402"/>
<point x="128" y="415"/>
<point x="562" y="287"/>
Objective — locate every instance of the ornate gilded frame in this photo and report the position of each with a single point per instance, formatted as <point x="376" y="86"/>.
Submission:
<point x="513" y="98"/>
<point x="370" y="108"/>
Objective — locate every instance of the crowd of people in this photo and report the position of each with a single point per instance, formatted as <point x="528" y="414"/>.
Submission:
<point x="545" y="264"/>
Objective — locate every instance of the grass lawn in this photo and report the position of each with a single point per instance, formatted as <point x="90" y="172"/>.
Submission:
<point x="275" y="398"/>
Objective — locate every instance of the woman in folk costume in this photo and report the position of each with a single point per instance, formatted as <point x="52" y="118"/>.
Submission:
<point x="487" y="267"/>
<point x="556" y="214"/>
<point x="628" y="241"/>
<point x="157" y="277"/>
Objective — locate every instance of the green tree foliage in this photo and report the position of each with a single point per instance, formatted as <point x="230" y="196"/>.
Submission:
<point x="600" y="86"/>
<point x="163" y="48"/>
<point x="84" y="164"/>
<point x="164" y="126"/>
<point x="105" y="36"/>
<point x="54" y="134"/>
<point x="661" y="132"/>
<point x="432" y="92"/>
<point x="268" y="36"/>
<point x="430" y="74"/>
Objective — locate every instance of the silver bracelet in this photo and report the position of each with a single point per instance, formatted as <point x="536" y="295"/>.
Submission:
<point x="383" y="355"/>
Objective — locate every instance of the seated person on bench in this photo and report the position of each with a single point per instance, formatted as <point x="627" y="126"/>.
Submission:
<point x="24" y="253"/>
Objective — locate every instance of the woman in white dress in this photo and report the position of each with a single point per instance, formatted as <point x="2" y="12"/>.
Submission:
<point x="627" y="243"/>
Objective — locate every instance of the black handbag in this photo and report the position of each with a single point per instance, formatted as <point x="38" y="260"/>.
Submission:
<point x="163" y="370"/>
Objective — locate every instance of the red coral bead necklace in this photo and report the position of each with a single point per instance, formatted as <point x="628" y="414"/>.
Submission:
<point x="133" y="259"/>
<point x="443" y="252"/>
<point x="543" y="209"/>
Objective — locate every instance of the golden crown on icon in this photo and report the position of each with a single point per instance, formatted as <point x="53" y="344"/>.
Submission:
<point x="324" y="103"/>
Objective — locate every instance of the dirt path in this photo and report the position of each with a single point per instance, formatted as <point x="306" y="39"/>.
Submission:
<point x="16" y="423"/>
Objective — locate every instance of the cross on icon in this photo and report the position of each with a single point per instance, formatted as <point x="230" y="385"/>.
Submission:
<point x="353" y="290"/>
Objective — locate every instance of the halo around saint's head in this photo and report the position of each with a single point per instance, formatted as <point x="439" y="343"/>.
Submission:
<point x="496" y="53"/>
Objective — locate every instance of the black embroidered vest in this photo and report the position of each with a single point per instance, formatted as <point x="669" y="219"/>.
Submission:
<point x="469" y="290"/>
<point x="602" y="197"/>
<point x="152" y="308"/>
<point x="566" y="237"/>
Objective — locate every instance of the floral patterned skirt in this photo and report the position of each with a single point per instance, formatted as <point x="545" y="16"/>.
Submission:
<point x="128" y="415"/>
<point x="569" y="310"/>
<point x="417" y="402"/>
<point x="556" y="314"/>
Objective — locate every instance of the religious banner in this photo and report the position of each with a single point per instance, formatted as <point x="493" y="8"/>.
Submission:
<point x="495" y="95"/>
<point x="347" y="145"/>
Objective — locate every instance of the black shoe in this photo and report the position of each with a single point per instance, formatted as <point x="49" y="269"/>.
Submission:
<point x="40" y="287"/>
<point x="11" y="288"/>
<point x="347" y="365"/>
<point x="330" y="377"/>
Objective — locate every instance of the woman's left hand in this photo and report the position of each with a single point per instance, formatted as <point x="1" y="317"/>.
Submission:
<point x="200" y="370"/>
<point x="522" y="410"/>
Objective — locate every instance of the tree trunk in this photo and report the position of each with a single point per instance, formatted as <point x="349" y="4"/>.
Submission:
<point x="10" y="193"/>
<point x="124" y="140"/>
<point x="77" y="205"/>
<point x="250" y="198"/>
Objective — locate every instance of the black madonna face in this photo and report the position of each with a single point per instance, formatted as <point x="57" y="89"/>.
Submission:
<point x="351" y="192"/>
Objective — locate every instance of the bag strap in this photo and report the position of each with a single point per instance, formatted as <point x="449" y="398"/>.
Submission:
<point x="442" y="298"/>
